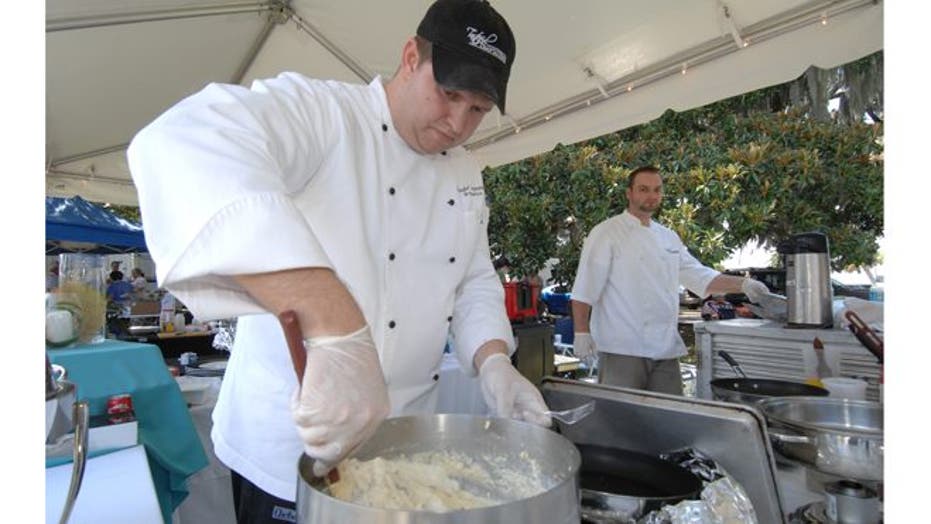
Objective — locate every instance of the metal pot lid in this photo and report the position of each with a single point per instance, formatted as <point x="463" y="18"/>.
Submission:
<point x="830" y="415"/>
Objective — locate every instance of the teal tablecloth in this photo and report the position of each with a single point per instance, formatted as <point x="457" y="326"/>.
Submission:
<point x="165" y="426"/>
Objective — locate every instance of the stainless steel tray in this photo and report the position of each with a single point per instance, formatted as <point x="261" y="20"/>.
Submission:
<point x="733" y="435"/>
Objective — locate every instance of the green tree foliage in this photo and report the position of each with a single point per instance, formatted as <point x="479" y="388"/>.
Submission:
<point x="130" y="213"/>
<point x="753" y="168"/>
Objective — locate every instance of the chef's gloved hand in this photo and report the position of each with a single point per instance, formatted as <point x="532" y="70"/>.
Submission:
<point x="508" y="394"/>
<point x="583" y="346"/>
<point x="754" y="289"/>
<point x="342" y="398"/>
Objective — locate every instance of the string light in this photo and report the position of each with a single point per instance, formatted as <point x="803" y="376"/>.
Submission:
<point x="824" y="19"/>
<point x="685" y="68"/>
<point x="630" y="87"/>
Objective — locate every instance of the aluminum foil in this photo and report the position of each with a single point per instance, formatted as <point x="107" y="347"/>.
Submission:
<point x="685" y="512"/>
<point x="697" y="463"/>
<point x="723" y="500"/>
<point x="728" y="502"/>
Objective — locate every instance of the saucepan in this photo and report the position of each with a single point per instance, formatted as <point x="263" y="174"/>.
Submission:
<point x="837" y="436"/>
<point x="750" y="391"/>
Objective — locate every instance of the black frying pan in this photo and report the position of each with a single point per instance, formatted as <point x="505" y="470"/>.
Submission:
<point x="750" y="390"/>
<point x="620" y="483"/>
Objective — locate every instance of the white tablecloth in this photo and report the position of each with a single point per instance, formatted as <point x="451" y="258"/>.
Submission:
<point x="117" y="488"/>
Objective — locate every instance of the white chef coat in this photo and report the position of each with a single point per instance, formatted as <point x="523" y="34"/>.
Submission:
<point x="630" y="273"/>
<point x="297" y="172"/>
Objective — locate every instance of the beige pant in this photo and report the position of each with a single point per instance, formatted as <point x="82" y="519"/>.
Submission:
<point x="662" y="376"/>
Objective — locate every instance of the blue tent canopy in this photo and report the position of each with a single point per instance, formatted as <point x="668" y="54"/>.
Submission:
<point x="76" y="225"/>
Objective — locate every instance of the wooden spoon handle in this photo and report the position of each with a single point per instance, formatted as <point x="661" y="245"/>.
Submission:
<point x="295" y="339"/>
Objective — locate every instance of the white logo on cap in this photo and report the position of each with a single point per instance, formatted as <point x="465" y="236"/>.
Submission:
<point x="479" y="40"/>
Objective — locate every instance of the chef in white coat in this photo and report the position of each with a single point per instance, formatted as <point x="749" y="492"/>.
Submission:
<point x="625" y="299"/>
<point x="356" y="207"/>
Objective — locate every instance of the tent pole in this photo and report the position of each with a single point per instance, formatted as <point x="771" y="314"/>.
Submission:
<point x="81" y="156"/>
<point x="276" y="16"/>
<point x="334" y="50"/>
<point x="155" y="15"/>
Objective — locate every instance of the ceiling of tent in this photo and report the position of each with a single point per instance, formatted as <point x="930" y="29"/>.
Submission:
<point x="582" y="68"/>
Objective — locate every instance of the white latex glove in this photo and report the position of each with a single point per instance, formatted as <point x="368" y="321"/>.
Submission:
<point x="508" y="394"/>
<point x="583" y="346"/>
<point x="754" y="289"/>
<point x="342" y="398"/>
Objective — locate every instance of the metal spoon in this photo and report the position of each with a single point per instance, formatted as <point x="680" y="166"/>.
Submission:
<point x="571" y="416"/>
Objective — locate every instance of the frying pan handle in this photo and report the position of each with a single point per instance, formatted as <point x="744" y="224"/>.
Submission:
<point x="732" y="363"/>
<point x="781" y="436"/>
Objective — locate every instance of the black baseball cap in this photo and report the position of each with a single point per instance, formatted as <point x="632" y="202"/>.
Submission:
<point x="473" y="47"/>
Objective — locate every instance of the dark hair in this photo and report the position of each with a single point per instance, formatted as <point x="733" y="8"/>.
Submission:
<point x="116" y="275"/>
<point x="641" y="169"/>
<point x="424" y="49"/>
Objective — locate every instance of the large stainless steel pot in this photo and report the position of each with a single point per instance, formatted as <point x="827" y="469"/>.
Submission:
<point x="539" y="452"/>
<point x="837" y="436"/>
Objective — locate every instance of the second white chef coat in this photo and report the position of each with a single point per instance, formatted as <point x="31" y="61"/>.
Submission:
<point x="297" y="172"/>
<point x="630" y="273"/>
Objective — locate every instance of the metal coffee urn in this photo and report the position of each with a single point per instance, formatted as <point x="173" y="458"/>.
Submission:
<point x="808" y="280"/>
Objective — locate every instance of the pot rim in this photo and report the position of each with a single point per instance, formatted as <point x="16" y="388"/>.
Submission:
<point x="769" y="404"/>
<point x="684" y="496"/>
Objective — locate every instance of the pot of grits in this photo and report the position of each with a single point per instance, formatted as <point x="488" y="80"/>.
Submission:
<point x="447" y="468"/>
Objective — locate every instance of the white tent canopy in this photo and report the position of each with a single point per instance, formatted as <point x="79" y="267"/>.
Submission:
<point x="583" y="68"/>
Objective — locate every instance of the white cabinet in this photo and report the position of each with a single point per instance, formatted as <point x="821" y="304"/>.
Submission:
<point x="766" y="349"/>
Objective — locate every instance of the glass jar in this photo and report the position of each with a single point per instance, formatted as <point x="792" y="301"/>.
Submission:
<point x="82" y="292"/>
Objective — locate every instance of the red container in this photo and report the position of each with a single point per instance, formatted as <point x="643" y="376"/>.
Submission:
<point x="520" y="300"/>
<point x="119" y="404"/>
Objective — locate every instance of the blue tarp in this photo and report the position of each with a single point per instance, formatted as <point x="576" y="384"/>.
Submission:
<point x="76" y="225"/>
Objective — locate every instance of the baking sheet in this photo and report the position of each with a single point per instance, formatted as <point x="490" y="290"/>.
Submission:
<point x="732" y="435"/>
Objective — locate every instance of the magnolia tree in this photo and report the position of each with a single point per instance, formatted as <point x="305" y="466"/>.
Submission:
<point x="756" y="168"/>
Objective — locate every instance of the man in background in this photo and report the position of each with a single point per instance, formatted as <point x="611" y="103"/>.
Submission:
<point x="625" y="299"/>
